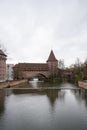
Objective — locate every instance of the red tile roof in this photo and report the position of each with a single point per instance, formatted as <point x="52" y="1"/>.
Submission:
<point x="32" y="66"/>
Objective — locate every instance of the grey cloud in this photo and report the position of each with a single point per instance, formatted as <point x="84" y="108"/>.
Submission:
<point x="31" y="28"/>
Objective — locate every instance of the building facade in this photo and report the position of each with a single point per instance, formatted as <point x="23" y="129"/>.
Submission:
<point x="9" y="71"/>
<point x="2" y="66"/>
<point x="29" y="70"/>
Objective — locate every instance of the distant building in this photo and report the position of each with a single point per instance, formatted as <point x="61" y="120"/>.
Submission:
<point x="29" y="70"/>
<point x="9" y="71"/>
<point x="2" y="66"/>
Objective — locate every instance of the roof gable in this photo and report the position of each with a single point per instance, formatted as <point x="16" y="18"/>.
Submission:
<point x="52" y="57"/>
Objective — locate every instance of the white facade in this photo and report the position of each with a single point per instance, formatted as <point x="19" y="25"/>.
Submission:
<point x="9" y="72"/>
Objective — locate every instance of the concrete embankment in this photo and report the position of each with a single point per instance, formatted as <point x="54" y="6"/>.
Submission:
<point x="82" y="84"/>
<point x="12" y="83"/>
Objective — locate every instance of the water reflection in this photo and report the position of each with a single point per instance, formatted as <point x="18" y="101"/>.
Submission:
<point x="2" y="100"/>
<point x="44" y="108"/>
<point x="51" y="94"/>
<point x="80" y="95"/>
<point x="36" y="83"/>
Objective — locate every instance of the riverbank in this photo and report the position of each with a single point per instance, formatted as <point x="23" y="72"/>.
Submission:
<point x="12" y="83"/>
<point x="82" y="84"/>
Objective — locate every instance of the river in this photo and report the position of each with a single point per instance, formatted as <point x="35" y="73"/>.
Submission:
<point x="43" y="106"/>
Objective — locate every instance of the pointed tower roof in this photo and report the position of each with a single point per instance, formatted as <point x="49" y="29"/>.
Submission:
<point x="52" y="57"/>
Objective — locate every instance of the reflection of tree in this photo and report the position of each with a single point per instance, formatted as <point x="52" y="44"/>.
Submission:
<point x="81" y="95"/>
<point x="2" y="99"/>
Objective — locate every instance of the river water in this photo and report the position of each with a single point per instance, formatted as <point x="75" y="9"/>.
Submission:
<point x="43" y="106"/>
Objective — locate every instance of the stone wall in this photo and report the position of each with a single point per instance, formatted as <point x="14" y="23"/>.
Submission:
<point x="11" y="83"/>
<point x="30" y="74"/>
<point x="82" y="84"/>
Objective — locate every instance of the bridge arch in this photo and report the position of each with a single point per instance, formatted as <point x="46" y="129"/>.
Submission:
<point x="40" y="74"/>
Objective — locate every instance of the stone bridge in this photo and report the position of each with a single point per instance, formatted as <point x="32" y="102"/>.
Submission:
<point x="31" y="74"/>
<point x="29" y="70"/>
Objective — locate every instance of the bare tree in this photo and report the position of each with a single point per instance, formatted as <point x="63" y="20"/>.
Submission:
<point x="85" y="69"/>
<point x="85" y="63"/>
<point x="61" y="64"/>
<point x="78" y="63"/>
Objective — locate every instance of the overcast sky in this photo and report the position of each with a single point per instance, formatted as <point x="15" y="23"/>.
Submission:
<point x="29" y="29"/>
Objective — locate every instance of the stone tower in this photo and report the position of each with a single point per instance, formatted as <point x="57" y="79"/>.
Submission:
<point x="52" y="63"/>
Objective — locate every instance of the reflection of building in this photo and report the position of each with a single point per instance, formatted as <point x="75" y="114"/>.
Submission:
<point x="2" y="98"/>
<point x="55" y="94"/>
<point x="52" y="94"/>
<point x="9" y="71"/>
<point x="29" y="70"/>
<point x="2" y="66"/>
